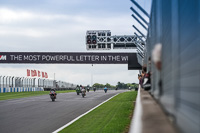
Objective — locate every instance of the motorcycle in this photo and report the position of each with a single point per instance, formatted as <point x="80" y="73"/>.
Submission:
<point x="88" y="89"/>
<point x="83" y="93"/>
<point x="94" y="89"/>
<point x="52" y="96"/>
<point x="78" y="91"/>
<point x="105" y="90"/>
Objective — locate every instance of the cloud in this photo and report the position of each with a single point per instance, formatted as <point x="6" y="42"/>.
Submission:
<point x="26" y="23"/>
<point x="9" y="16"/>
<point x="33" y="31"/>
<point x="23" y="30"/>
<point x="29" y="32"/>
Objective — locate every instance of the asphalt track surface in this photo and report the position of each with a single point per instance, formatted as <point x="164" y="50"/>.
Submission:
<point x="40" y="115"/>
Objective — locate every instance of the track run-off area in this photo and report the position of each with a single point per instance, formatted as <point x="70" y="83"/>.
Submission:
<point x="40" y="114"/>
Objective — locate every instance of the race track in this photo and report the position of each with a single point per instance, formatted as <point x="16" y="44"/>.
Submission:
<point x="40" y="115"/>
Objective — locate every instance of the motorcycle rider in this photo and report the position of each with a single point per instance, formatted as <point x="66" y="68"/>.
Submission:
<point x="78" y="90"/>
<point x="88" y="88"/>
<point x="83" y="91"/>
<point x="53" y="91"/>
<point x="129" y="88"/>
<point x="105" y="89"/>
<point x="94" y="88"/>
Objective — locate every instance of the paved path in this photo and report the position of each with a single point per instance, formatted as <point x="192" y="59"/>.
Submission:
<point x="40" y="115"/>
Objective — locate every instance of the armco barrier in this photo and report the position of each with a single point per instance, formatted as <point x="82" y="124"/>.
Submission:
<point x="20" y="89"/>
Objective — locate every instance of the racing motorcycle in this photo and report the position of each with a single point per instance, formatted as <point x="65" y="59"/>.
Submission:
<point x="53" y="95"/>
<point x="78" y="91"/>
<point x="105" y="89"/>
<point x="88" y="89"/>
<point x="83" y="91"/>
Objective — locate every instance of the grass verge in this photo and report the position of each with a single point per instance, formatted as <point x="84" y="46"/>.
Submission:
<point x="113" y="116"/>
<point x="14" y="95"/>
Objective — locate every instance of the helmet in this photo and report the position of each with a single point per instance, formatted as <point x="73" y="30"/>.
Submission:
<point x="52" y="90"/>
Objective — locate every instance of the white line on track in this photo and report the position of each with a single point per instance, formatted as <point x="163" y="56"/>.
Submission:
<point x="58" y="130"/>
<point x="136" y="122"/>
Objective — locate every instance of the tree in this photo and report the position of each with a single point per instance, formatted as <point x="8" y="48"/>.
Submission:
<point x="97" y="85"/>
<point x="108" y="85"/>
<point x="119" y="85"/>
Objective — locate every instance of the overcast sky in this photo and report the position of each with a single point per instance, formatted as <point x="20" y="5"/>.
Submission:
<point x="60" y="26"/>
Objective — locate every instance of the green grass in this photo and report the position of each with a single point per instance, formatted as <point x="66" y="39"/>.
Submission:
<point x="14" y="95"/>
<point x="113" y="116"/>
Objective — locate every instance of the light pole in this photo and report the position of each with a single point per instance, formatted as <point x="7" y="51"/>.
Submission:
<point x="92" y="76"/>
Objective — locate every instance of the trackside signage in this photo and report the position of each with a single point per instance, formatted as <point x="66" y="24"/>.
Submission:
<point x="64" y="58"/>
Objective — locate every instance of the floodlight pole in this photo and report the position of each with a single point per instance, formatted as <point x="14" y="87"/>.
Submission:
<point x="92" y="76"/>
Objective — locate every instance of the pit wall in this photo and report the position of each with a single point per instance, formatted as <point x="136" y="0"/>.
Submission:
<point x="175" y="25"/>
